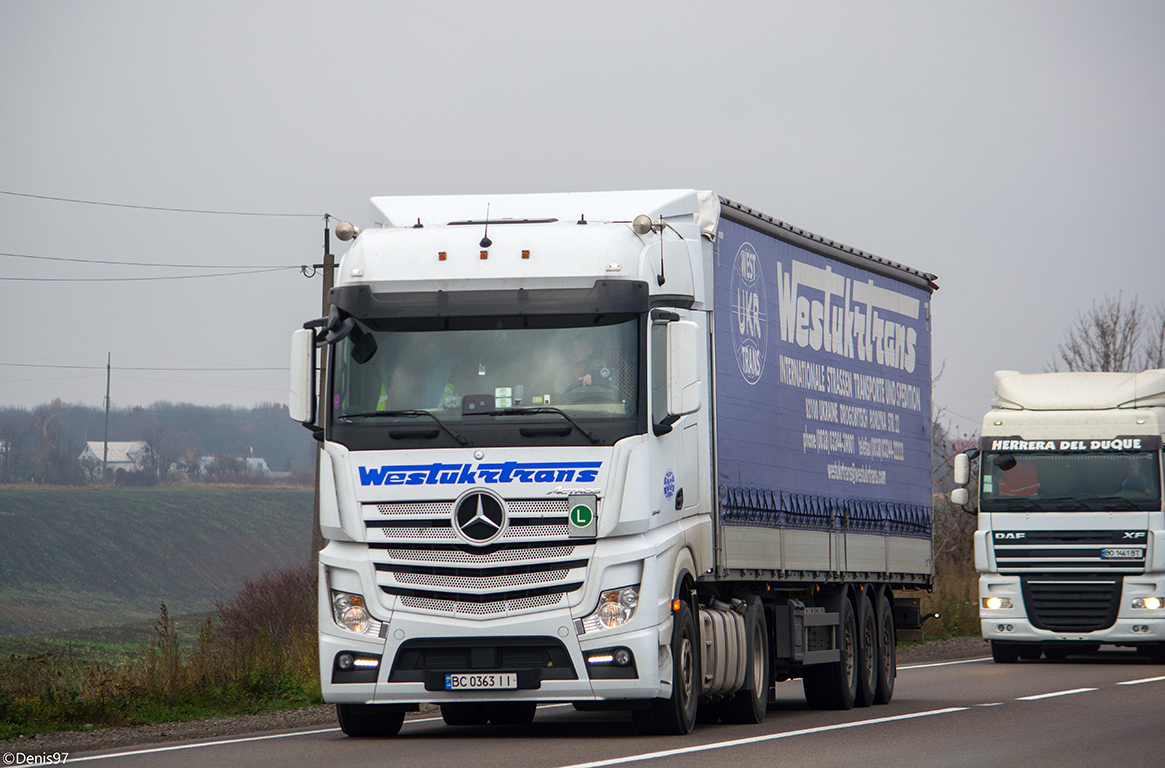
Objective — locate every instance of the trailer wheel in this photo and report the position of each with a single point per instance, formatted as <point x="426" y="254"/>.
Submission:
<point x="887" y="650"/>
<point x="1004" y="653"/>
<point x="748" y="705"/>
<point x="369" y="719"/>
<point x="676" y="715"/>
<point x="835" y="685"/>
<point x="465" y="713"/>
<point x="867" y="656"/>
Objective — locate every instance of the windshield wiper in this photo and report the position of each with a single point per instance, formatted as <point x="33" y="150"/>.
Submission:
<point x="542" y="409"/>
<point x="416" y="412"/>
<point x="1066" y="503"/>
<point x="1116" y="503"/>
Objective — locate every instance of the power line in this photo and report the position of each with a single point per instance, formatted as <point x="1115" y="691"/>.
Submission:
<point x="140" y="279"/>
<point x="158" y="207"/>
<point x="142" y="263"/>
<point x="131" y="368"/>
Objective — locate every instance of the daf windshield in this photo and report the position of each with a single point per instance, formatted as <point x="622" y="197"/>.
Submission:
<point x="1059" y="482"/>
<point x="462" y="373"/>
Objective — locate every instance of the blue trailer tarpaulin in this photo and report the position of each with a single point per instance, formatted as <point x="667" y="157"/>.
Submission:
<point x="822" y="390"/>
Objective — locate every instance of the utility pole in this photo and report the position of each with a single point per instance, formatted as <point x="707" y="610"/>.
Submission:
<point x="328" y="267"/>
<point x="105" y="452"/>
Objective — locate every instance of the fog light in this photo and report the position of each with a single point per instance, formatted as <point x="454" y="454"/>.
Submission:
<point x="995" y="603"/>
<point x="1148" y="603"/>
<point x="622" y="657"/>
<point x="345" y="661"/>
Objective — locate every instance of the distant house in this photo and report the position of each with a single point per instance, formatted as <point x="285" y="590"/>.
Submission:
<point x="122" y="457"/>
<point x="233" y="464"/>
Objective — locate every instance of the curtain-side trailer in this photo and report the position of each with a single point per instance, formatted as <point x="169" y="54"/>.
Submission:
<point x="651" y="451"/>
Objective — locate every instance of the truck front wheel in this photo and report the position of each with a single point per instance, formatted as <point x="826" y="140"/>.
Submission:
<point x="370" y="719"/>
<point x="676" y="715"/>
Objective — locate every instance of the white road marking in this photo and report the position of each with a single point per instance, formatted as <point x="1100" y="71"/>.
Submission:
<point x="1145" y="680"/>
<point x="1053" y="695"/>
<point x="944" y="663"/>
<point x="759" y="739"/>
<point x="176" y="747"/>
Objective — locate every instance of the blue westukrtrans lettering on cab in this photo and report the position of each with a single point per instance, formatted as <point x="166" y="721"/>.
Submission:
<point x="487" y="473"/>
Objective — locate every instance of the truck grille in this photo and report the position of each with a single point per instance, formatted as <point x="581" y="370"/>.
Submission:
<point x="1070" y="551"/>
<point x="1071" y="604"/>
<point x="420" y="558"/>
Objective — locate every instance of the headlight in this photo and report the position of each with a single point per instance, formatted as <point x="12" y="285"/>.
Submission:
<point x="616" y="607"/>
<point x="995" y="603"/>
<point x="351" y="614"/>
<point x="1150" y="603"/>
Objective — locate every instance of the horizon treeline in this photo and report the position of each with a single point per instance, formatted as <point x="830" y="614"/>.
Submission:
<point x="44" y="444"/>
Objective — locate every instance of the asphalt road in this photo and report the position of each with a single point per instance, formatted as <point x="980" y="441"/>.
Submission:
<point x="1096" y="712"/>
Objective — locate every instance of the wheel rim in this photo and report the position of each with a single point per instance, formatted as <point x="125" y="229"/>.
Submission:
<point x="758" y="659"/>
<point x="686" y="669"/>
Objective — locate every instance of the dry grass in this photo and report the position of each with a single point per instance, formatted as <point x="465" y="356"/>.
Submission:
<point x="259" y="655"/>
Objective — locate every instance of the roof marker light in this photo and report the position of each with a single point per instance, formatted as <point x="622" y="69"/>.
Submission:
<point x="440" y="256"/>
<point x="525" y="254"/>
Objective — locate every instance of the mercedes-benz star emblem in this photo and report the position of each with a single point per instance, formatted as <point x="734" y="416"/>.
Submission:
<point x="479" y="517"/>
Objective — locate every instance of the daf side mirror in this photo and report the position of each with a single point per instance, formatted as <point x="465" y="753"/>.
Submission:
<point x="962" y="470"/>
<point x="301" y="401"/>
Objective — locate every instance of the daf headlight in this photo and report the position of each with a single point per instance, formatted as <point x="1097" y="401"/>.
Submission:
<point x="616" y="607"/>
<point x="1148" y="603"/>
<point x="351" y="613"/>
<point x="995" y="603"/>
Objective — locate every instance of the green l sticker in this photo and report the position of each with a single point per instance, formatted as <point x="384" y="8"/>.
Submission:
<point x="581" y="516"/>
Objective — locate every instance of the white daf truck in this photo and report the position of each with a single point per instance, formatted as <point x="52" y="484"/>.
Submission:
<point x="1071" y="539"/>
<point x="650" y="451"/>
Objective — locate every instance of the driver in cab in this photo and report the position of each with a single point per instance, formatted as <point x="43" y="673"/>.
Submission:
<point x="582" y="369"/>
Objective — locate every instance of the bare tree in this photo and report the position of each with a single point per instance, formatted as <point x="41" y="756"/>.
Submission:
<point x="1114" y="337"/>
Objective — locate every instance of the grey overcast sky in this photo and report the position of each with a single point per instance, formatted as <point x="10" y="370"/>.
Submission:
<point x="1012" y="148"/>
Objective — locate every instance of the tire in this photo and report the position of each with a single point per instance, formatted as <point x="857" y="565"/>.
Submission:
<point x="748" y="705"/>
<point x="867" y="655"/>
<point x="835" y="685"/>
<point x="1155" y="652"/>
<point x="1004" y="653"/>
<point x="676" y="715"/>
<point x="465" y="713"/>
<point x="512" y="712"/>
<point x="364" y="720"/>
<point x="887" y="650"/>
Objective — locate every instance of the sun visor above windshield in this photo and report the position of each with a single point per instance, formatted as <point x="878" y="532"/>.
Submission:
<point x="605" y="296"/>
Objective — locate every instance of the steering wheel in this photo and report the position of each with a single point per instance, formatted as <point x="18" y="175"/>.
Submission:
<point x="596" y="393"/>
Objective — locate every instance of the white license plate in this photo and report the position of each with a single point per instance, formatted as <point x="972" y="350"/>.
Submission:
<point x="1120" y="554"/>
<point x="495" y="681"/>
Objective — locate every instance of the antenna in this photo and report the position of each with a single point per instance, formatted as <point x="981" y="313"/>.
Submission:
<point x="485" y="241"/>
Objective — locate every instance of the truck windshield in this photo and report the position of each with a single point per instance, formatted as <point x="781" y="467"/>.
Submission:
<point x="1057" y="482"/>
<point x="471" y="371"/>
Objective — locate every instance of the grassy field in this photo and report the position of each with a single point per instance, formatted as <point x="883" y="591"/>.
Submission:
<point x="94" y="557"/>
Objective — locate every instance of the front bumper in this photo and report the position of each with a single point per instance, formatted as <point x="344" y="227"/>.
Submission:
<point x="1129" y="626"/>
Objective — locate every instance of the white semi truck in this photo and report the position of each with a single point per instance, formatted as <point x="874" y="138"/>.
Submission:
<point x="1070" y="545"/>
<point x="651" y="451"/>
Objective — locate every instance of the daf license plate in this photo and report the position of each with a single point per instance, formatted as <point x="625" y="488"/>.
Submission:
<point x="1113" y="553"/>
<point x="495" y="681"/>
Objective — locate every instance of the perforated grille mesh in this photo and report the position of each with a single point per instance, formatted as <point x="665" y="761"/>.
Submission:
<point x="501" y="556"/>
<point x="484" y="582"/>
<point x="481" y="609"/>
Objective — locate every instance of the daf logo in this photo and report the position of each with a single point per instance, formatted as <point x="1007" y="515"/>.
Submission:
<point x="1010" y="535"/>
<point x="1134" y="534"/>
<point x="479" y="517"/>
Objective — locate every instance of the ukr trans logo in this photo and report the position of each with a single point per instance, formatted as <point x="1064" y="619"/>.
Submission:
<point x="486" y="473"/>
<point x="749" y="312"/>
